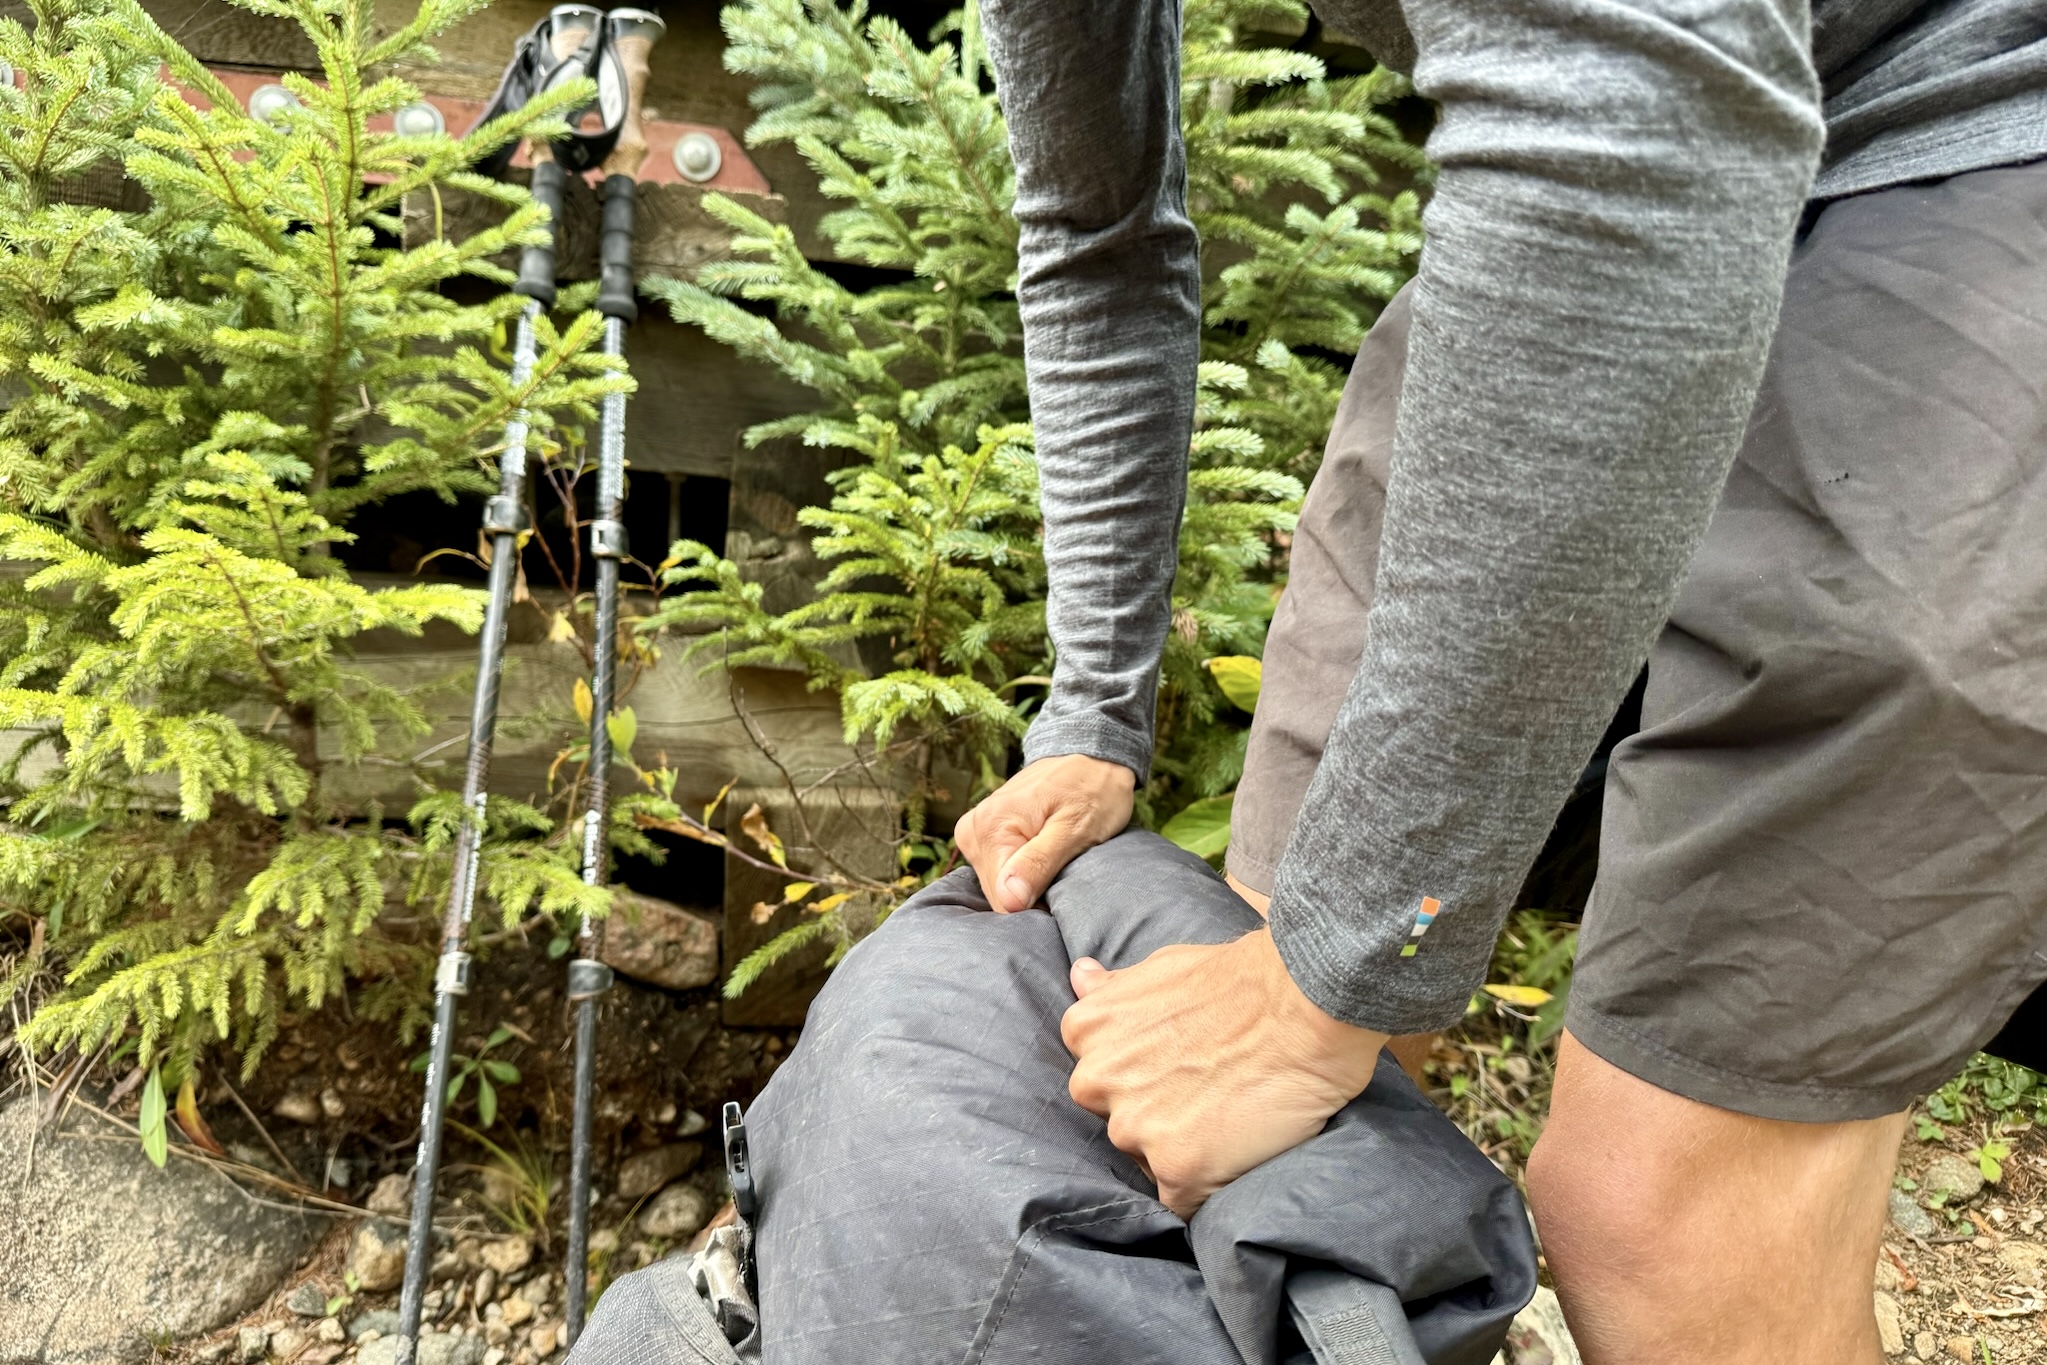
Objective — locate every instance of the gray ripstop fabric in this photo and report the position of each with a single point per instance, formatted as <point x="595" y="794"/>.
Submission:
<point x="655" y="1317"/>
<point x="930" y="1193"/>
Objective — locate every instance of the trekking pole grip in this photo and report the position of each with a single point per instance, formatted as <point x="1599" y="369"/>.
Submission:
<point x="615" y="257"/>
<point x="633" y="35"/>
<point x="536" y="263"/>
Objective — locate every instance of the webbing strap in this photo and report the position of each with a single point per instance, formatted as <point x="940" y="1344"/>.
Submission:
<point x="534" y="69"/>
<point x="1348" y="1320"/>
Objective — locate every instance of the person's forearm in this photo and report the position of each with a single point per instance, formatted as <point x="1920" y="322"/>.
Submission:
<point x="1109" y="284"/>
<point x="1606" y="254"/>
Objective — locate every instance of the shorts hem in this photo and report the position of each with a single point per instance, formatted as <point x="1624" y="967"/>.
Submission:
<point x="1252" y="872"/>
<point x="1723" y="1088"/>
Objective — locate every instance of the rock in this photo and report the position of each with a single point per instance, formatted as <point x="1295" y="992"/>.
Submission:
<point x="517" y="1312"/>
<point x="435" y="1348"/>
<point x="308" y="1301"/>
<point x="382" y="1321"/>
<point x="1954" y="1176"/>
<point x="659" y="942"/>
<point x="645" y="1172"/>
<point x="252" y="1344"/>
<point x="329" y="1329"/>
<point x="692" y="1123"/>
<point x="1909" y="1218"/>
<point x="494" y="1356"/>
<point x="214" y="1352"/>
<point x="507" y="1255"/>
<point x="103" y="1253"/>
<point x="1887" y="1276"/>
<point x="2023" y="1256"/>
<point x="1924" y="1346"/>
<point x="1538" y="1335"/>
<point x="544" y="1338"/>
<point x="377" y="1255"/>
<point x="331" y="1104"/>
<point x="299" y="1108"/>
<point x="287" y="1342"/>
<point x="604" y="1241"/>
<point x="496" y="1333"/>
<point x="1890" y="1324"/>
<point x="486" y="1286"/>
<point x="392" y="1197"/>
<point x="325" y="1353"/>
<point x="676" y="1212"/>
<point x="1962" y="1348"/>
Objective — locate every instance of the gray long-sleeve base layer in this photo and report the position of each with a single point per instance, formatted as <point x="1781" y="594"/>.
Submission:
<point x="1620" y="185"/>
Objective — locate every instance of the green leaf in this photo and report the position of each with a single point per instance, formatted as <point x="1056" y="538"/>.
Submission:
<point x="455" y="1086"/>
<point x="486" y="1101"/>
<point x="156" y="1141"/>
<point x="497" y="1035"/>
<point x="623" y="727"/>
<point x="504" y="1073"/>
<point x="1203" y="828"/>
<point x="1240" y="677"/>
<point x="558" y="945"/>
<point x="421" y="1063"/>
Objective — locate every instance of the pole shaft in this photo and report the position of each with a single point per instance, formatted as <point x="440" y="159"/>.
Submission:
<point x="603" y="687"/>
<point x="450" y="977"/>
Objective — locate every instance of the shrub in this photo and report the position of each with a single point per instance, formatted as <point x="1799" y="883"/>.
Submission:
<point x="202" y="395"/>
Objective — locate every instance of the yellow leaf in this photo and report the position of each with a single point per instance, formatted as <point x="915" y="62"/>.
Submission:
<point x="623" y="727"/>
<point x="762" y="912"/>
<point x="755" y="823"/>
<point x="561" y="630"/>
<point x="1527" y="997"/>
<point x="829" y="903"/>
<point x="718" y="800"/>
<point x="584" y="701"/>
<point x="796" y="891"/>
<point x="1240" y="677"/>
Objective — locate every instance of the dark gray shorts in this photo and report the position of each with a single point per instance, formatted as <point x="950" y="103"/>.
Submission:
<point x="1823" y="862"/>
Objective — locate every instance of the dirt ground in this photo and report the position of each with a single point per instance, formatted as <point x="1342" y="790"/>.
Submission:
<point x="1976" y="1289"/>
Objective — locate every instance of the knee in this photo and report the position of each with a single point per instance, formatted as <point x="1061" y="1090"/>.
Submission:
<point x="1592" y="1203"/>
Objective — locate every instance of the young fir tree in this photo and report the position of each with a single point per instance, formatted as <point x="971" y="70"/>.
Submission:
<point x="199" y="397"/>
<point x="933" y="531"/>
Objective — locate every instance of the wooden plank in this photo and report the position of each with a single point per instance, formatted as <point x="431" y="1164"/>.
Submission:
<point x="689" y="83"/>
<point x="696" y="399"/>
<point x="673" y="234"/>
<point x="685" y="715"/>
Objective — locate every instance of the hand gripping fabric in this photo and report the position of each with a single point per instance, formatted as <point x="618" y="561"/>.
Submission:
<point x="929" y="1194"/>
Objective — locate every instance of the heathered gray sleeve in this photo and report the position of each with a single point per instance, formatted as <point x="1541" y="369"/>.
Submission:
<point x="1606" y="252"/>
<point x="1109" y="280"/>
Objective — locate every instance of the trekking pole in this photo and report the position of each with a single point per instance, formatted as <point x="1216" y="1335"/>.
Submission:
<point x="504" y="519"/>
<point x="633" y="34"/>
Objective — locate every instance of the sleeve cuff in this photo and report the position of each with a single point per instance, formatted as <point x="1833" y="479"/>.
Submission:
<point x="1090" y="735"/>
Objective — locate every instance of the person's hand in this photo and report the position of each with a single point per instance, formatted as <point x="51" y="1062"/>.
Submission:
<point x="1208" y="1061"/>
<point x="1041" y="820"/>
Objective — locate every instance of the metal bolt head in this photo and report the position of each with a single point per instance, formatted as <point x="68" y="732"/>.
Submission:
<point x="269" y="103"/>
<point x="697" y="156"/>
<point x="418" y="119"/>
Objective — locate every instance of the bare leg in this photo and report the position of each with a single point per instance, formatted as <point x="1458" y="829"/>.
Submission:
<point x="1684" y="1234"/>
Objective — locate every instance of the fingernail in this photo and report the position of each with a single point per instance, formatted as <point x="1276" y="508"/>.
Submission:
<point x="1017" y="891"/>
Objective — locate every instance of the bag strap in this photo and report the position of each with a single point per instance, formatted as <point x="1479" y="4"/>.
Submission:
<point x="1349" y="1320"/>
<point x="533" y="69"/>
